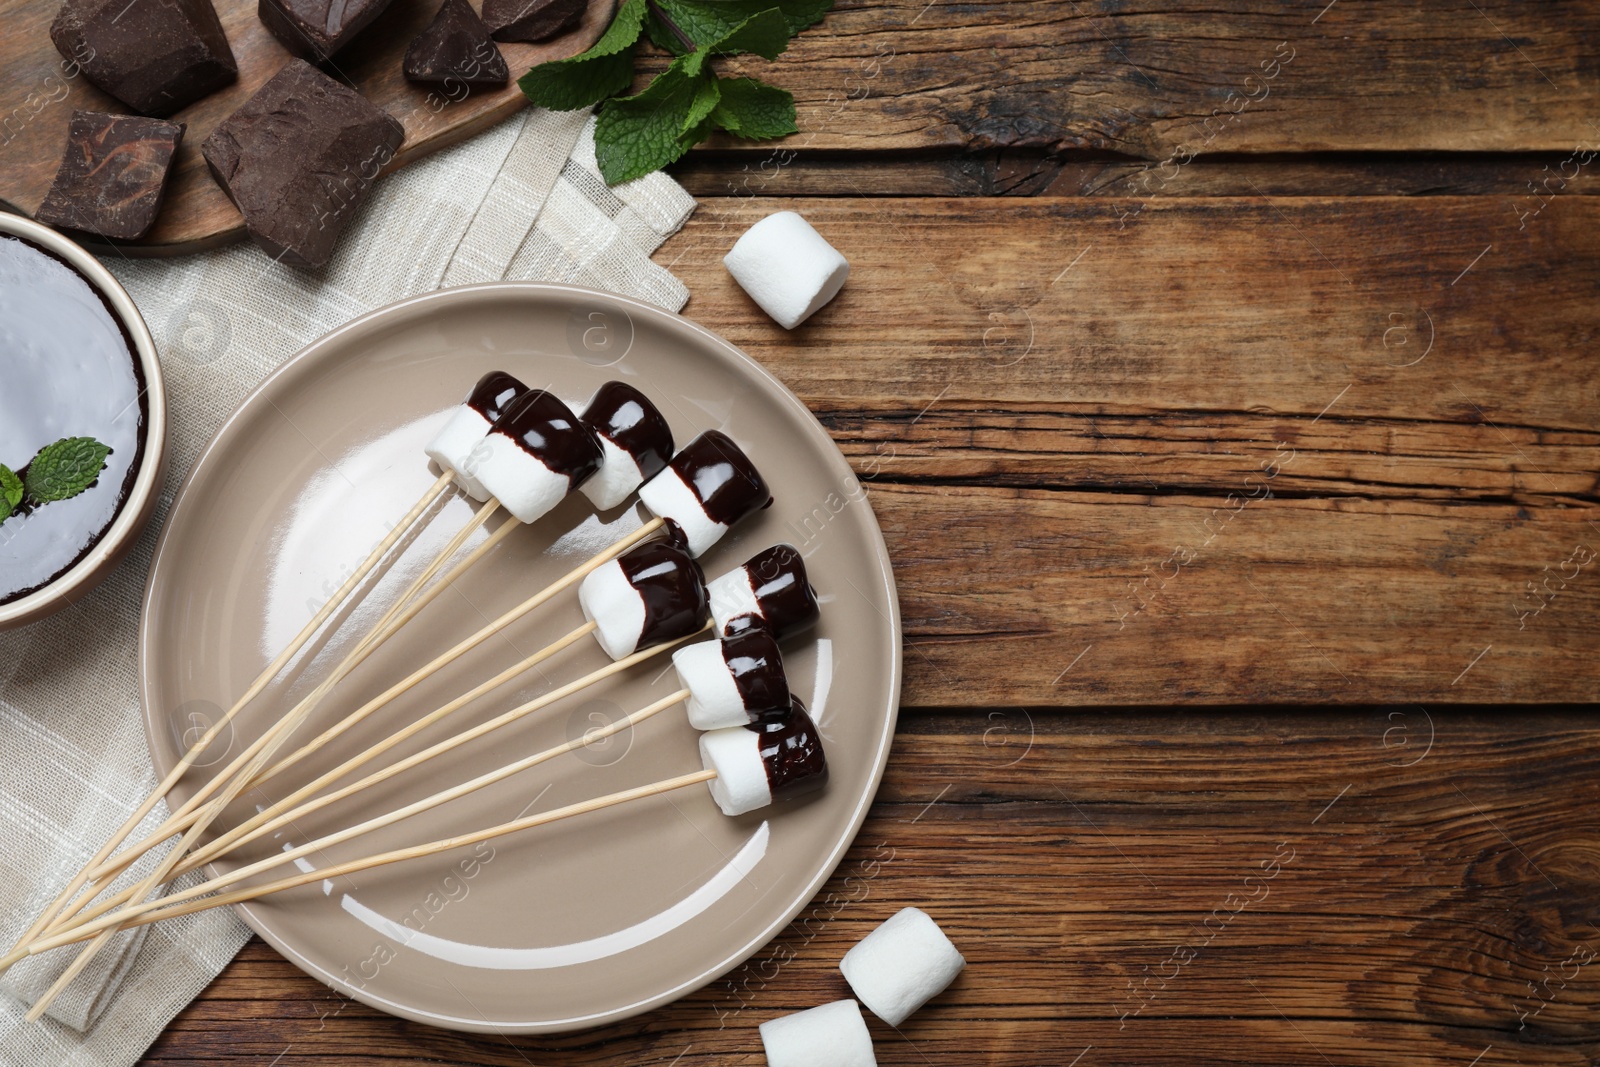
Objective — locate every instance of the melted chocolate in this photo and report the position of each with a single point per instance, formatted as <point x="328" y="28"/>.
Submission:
<point x="70" y="371"/>
<point x="792" y="753"/>
<point x="788" y="603"/>
<point x="673" y="590"/>
<point x="721" y="477"/>
<point x="495" y="392"/>
<point x="625" y="417"/>
<point x="757" y="668"/>
<point x="547" y="430"/>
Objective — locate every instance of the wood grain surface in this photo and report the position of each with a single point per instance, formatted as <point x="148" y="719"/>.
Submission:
<point x="1246" y="515"/>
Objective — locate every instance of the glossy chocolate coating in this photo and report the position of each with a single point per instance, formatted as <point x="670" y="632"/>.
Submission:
<point x="113" y="176"/>
<point x="721" y="477"/>
<point x="547" y="430"/>
<point x="757" y="668"/>
<point x="673" y="589"/>
<point x="456" y="49"/>
<point x="791" y="751"/>
<point x="59" y="385"/>
<point x="788" y="603"/>
<point x="625" y="417"/>
<point x="495" y="392"/>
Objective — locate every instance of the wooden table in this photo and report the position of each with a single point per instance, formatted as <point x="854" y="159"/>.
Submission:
<point x="1223" y="376"/>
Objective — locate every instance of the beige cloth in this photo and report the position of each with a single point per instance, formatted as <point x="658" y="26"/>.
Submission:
<point x="523" y="200"/>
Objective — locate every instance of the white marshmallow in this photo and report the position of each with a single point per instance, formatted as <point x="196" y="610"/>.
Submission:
<point x="741" y="783"/>
<point x="452" y="449"/>
<point x="900" y="966"/>
<point x="523" y="485"/>
<point x="832" y="1035"/>
<point x="714" y="700"/>
<point x="667" y="496"/>
<point x="787" y="267"/>
<point x="617" y="478"/>
<point x="732" y="595"/>
<point x="611" y="602"/>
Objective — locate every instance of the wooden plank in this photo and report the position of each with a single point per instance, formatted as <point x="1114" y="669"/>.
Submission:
<point x="1277" y="886"/>
<point x="1225" y="451"/>
<point x="41" y="89"/>
<point x="1491" y="75"/>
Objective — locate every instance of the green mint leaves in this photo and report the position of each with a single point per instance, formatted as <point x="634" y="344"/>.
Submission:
<point x="59" y="472"/>
<point x="685" y="103"/>
<point x="10" y="491"/>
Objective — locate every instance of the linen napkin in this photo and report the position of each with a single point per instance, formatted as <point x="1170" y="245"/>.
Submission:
<point x="522" y="200"/>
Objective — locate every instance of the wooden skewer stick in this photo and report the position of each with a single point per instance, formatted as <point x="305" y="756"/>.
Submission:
<point x="185" y="815"/>
<point x="278" y="733"/>
<point x="286" y="810"/>
<point x="339" y="870"/>
<point x="267" y="674"/>
<point x="385" y="628"/>
<point x="378" y="822"/>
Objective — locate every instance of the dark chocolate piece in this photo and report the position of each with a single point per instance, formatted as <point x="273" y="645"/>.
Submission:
<point x="495" y="392"/>
<point x="156" y="56"/>
<point x="299" y="158"/>
<point x="113" y="176"/>
<point x="673" y="589"/>
<point x="456" y="49"/>
<point x="315" y="29"/>
<point x="547" y="430"/>
<point x="532" y="20"/>
<point x="788" y="603"/>
<point x="791" y="751"/>
<point x="757" y="668"/>
<point x="721" y="477"/>
<point x="626" y="417"/>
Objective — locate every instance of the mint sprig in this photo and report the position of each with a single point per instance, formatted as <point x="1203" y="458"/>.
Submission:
<point x="685" y="103"/>
<point x="10" y="491"/>
<point x="63" y="470"/>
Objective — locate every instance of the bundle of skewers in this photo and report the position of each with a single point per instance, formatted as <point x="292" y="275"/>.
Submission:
<point x="521" y="450"/>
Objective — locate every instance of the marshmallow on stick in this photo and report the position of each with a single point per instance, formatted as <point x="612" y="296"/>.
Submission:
<point x="901" y="965"/>
<point x="636" y="441"/>
<point x="765" y="761"/>
<point x="649" y="595"/>
<point x="536" y="454"/>
<point x="707" y="487"/>
<point x="733" y="682"/>
<point x="456" y="448"/>
<point x="832" y="1035"/>
<point x="770" y="591"/>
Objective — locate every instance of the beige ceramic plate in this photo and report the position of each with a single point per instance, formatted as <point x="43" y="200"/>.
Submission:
<point x="581" y="922"/>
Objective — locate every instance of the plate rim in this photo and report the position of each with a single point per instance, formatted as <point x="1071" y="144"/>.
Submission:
<point x="307" y="357"/>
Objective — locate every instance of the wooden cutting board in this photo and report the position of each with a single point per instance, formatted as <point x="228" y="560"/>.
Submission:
<point x="41" y="89"/>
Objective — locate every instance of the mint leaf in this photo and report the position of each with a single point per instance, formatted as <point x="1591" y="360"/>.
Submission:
<point x="765" y="33"/>
<point x="754" y="110"/>
<point x="709" y="21"/>
<point x="589" y="77"/>
<point x="65" y="469"/>
<point x="635" y="135"/>
<point x="10" y="491"/>
<point x="706" y="95"/>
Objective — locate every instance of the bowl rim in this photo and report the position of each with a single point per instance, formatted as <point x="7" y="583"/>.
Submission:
<point x="95" y="564"/>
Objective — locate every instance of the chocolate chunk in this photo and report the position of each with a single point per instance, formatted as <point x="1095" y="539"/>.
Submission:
<point x="113" y="176"/>
<point x="299" y="158"/>
<point x="456" y="48"/>
<point x="316" y="29"/>
<point x="154" y="55"/>
<point x="532" y="20"/>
